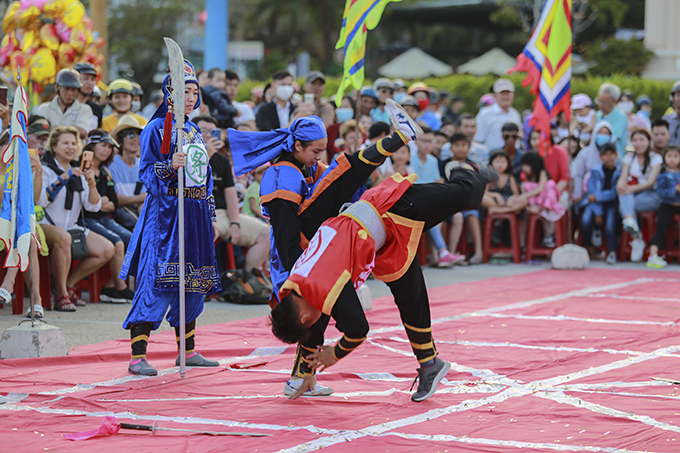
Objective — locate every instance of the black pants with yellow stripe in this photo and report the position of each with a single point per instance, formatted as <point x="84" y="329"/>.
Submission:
<point x="335" y="189"/>
<point x="431" y="204"/>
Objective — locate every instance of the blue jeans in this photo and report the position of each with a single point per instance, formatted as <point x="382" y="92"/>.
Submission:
<point x="436" y="237"/>
<point x="608" y="211"/>
<point x="110" y="230"/>
<point x="633" y="203"/>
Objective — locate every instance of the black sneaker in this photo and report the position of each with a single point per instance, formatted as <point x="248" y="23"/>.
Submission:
<point x="111" y="295"/>
<point x="428" y="378"/>
<point x="127" y="294"/>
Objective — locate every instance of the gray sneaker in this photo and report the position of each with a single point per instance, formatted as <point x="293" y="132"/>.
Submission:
<point x="428" y="378"/>
<point x="402" y="121"/>
<point x="198" y="360"/>
<point x="142" y="368"/>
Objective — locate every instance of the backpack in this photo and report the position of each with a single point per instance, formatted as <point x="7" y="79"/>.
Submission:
<point x="246" y="287"/>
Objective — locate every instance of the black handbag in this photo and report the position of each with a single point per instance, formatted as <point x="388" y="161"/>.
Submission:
<point x="79" y="248"/>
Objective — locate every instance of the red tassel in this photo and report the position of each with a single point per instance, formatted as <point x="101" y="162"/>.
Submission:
<point x="167" y="134"/>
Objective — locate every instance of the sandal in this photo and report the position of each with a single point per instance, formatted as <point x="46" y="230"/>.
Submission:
<point x="39" y="313"/>
<point x="64" y="303"/>
<point x="475" y="260"/>
<point x="76" y="301"/>
<point x="6" y="297"/>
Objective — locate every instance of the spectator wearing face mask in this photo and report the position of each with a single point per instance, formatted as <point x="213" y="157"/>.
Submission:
<point x="384" y="90"/>
<point x="120" y="100"/>
<point x="279" y="112"/>
<point x="589" y="157"/>
<point x="88" y="77"/>
<point x="422" y="95"/>
<point x="644" y="106"/>
<point x="635" y="122"/>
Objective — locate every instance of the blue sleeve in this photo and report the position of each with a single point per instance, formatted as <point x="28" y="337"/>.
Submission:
<point x="155" y="169"/>
<point x="285" y="182"/>
<point x="665" y="187"/>
<point x="602" y="195"/>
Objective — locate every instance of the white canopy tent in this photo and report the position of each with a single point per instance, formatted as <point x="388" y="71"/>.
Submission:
<point x="495" y="61"/>
<point x="414" y="64"/>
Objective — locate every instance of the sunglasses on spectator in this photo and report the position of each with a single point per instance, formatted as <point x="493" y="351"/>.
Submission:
<point x="509" y="136"/>
<point x="132" y="134"/>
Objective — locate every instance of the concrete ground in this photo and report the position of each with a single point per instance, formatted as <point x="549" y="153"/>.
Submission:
<point x="100" y="322"/>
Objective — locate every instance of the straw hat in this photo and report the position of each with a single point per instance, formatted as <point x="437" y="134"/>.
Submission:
<point x="126" y="122"/>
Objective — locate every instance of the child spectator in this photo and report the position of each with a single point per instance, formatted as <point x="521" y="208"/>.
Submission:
<point x="251" y="203"/>
<point x="502" y="196"/>
<point x="460" y="146"/>
<point x="668" y="188"/>
<point x="541" y="194"/>
<point x="583" y="121"/>
<point x="636" y="188"/>
<point x="599" y="201"/>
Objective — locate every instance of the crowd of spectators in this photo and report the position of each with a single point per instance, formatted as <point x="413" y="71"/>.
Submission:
<point x="610" y="164"/>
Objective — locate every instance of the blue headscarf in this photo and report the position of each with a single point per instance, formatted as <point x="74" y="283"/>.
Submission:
<point x="189" y="77"/>
<point x="250" y="150"/>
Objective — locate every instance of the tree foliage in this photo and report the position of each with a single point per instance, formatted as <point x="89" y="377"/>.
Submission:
<point x="136" y="31"/>
<point x="616" y="56"/>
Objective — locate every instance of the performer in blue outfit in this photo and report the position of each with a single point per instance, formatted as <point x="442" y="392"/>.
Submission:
<point x="298" y="193"/>
<point x="153" y="254"/>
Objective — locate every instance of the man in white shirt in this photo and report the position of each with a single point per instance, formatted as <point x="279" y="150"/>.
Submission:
<point x="478" y="153"/>
<point x="247" y="115"/>
<point x="65" y="109"/>
<point x="490" y="121"/>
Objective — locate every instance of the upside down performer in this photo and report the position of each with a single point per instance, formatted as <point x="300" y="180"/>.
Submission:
<point x="298" y="193"/>
<point x="153" y="254"/>
<point x="379" y="234"/>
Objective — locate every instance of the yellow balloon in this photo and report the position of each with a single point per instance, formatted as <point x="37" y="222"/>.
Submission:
<point x="8" y="23"/>
<point x="53" y="8"/>
<point x="48" y="37"/>
<point x="28" y="17"/>
<point x="30" y="39"/>
<point x="73" y="14"/>
<point x="43" y="65"/>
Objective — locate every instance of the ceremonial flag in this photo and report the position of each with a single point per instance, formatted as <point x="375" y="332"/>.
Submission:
<point x="17" y="218"/>
<point x="359" y="17"/>
<point x="547" y="61"/>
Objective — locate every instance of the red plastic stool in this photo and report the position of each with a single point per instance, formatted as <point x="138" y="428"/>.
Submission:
<point x="672" y="250"/>
<point x="488" y="249"/>
<point x="533" y="247"/>
<point x="648" y="227"/>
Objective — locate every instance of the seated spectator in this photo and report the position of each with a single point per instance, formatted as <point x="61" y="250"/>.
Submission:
<point x="460" y="147"/>
<point x="572" y="146"/>
<point x="247" y="115"/>
<point x="65" y="109"/>
<point x="635" y="122"/>
<point x="399" y="162"/>
<point x="125" y="172"/>
<point x="101" y="144"/>
<point x="541" y="195"/>
<point x="66" y="192"/>
<point x="668" y="188"/>
<point x="607" y="97"/>
<point x="366" y="122"/>
<point x="368" y="100"/>
<point x="583" y="117"/>
<point x="478" y="153"/>
<point x="421" y="93"/>
<point x="502" y="197"/>
<point x="599" y="202"/>
<point x="490" y="120"/>
<point x="660" y="136"/>
<point x="120" y="100"/>
<point x="426" y="167"/>
<point x="36" y="136"/>
<point x="589" y="158"/>
<point x="241" y="229"/>
<point x="440" y="139"/>
<point x="151" y="107"/>
<point x="216" y="98"/>
<point x="561" y="127"/>
<point x="644" y="105"/>
<point x="555" y="160"/>
<point x="351" y="139"/>
<point x="251" y="203"/>
<point x="636" y="188"/>
<point x="345" y="112"/>
<point x="510" y="135"/>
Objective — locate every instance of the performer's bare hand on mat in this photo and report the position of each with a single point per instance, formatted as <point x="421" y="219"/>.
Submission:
<point x="178" y="160"/>
<point x="308" y="382"/>
<point x="324" y="357"/>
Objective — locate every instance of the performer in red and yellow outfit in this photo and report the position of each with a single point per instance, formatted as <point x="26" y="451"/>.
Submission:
<point x="378" y="234"/>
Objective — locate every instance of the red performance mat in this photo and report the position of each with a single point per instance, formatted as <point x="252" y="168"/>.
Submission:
<point x="549" y="361"/>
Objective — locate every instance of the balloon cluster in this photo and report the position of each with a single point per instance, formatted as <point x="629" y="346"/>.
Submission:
<point x="43" y="36"/>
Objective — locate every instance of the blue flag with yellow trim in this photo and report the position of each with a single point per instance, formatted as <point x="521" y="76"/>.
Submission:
<point x="17" y="218"/>
<point x="359" y="17"/>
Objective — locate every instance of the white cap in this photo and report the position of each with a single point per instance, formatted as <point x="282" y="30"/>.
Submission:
<point x="580" y="101"/>
<point x="503" y="85"/>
